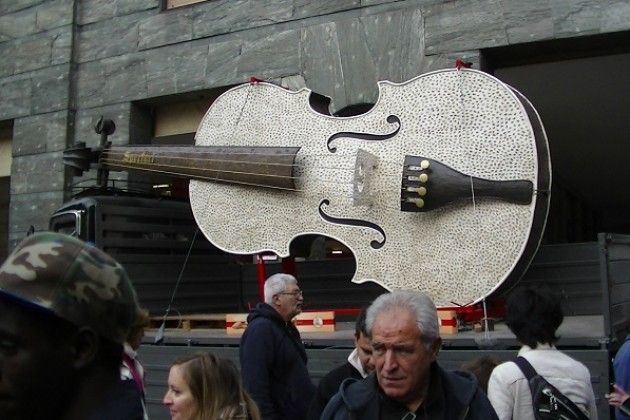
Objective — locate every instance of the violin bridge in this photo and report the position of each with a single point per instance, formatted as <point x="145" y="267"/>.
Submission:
<point x="363" y="171"/>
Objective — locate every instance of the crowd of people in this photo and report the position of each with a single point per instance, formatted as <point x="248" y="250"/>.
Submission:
<point x="71" y="324"/>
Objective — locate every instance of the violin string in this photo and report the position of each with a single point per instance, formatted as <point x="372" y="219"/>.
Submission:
<point x="303" y="157"/>
<point x="200" y="150"/>
<point x="210" y="170"/>
<point x="106" y="158"/>
<point x="117" y="164"/>
<point x="120" y="155"/>
<point x="348" y="196"/>
<point x="113" y="152"/>
<point x="253" y="184"/>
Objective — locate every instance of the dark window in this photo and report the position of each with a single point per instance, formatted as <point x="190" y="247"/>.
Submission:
<point x="173" y="4"/>
<point x="580" y="88"/>
<point x="6" y="156"/>
<point x="171" y="120"/>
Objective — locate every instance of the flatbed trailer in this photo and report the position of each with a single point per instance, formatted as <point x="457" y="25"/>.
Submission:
<point x="582" y="337"/>
<point x="151" y="238"/>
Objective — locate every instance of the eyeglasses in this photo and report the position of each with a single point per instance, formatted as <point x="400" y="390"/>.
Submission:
<point x="294" y="293"/>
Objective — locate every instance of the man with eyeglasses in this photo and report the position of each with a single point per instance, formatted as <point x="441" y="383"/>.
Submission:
<point x="408" y="383"/>
<point x="273" y="358"/>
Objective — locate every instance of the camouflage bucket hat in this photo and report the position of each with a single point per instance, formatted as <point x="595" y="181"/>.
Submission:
<point x="73" y="280"/>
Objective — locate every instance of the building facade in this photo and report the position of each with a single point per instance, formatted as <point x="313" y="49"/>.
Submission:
<point x="64" y="63"/>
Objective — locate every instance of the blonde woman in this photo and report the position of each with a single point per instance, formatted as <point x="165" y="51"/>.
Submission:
<point x="206" y="387"/>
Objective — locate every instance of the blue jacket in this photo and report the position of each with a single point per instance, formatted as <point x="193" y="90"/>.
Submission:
<point x="273" y="366"/>
<point x="451" y="396"/>
<point x="621" y="365"/>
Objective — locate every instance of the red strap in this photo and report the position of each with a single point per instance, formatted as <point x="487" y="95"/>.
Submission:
<point x="262" y="276"/>
<point x="347" y="311"/>
<point x="459" y="63"/>
<point x="448" y="322"/>
<point x="324" y="321"/>
<point x="131" y="364"/>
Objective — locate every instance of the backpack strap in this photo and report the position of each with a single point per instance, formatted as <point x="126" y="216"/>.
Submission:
<point x="525" y="367"/>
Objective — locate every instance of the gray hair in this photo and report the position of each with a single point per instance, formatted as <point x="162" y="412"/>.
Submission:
<point x="417" y="303"/>
<point x="277" y="283"/>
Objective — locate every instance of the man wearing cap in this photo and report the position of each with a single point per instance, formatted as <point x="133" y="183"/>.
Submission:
<point x="66" y="310"/>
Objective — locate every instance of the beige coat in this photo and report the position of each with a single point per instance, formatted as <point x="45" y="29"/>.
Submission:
<point x="508" y="389"/>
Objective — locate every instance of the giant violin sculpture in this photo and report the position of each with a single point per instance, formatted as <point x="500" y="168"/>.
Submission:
<point x="443" y="186"/>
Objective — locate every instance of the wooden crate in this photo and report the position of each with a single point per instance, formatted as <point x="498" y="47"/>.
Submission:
<point x="315" y="321"/>
<point x="323" y="321"/>
<point x="189" y="322"/>
<point x="448" y="322"/>
<point x="235" y="324"/>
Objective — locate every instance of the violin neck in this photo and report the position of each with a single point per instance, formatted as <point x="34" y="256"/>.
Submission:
<point x="270" y="167"/>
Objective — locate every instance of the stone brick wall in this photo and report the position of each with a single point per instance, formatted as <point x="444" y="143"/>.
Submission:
<point x="35" y="80"/>
<point x="474" y="24"/>
<point x="66" y="62"/>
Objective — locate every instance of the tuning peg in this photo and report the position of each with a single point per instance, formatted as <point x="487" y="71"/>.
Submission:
<point x="421" y="191"/>
<point x="419" y="202"/>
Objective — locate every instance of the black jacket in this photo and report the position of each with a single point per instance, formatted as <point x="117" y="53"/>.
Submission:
<point x="273" y="366"/>
<point x="329" y="386"/>
<point x="451" y="396"/>
<point x="122" y="403"/>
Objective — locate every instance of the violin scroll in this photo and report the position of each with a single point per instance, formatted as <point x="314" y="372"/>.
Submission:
<point x="79" y="158"/>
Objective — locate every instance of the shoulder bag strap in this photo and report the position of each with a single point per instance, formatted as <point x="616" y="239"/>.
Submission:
<point x="525" y="367"/>
<point x="529" y="372"/>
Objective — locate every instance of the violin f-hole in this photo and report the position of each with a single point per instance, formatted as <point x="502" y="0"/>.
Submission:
<point x="353" y="222"/>
<point x="392" y="119"/>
